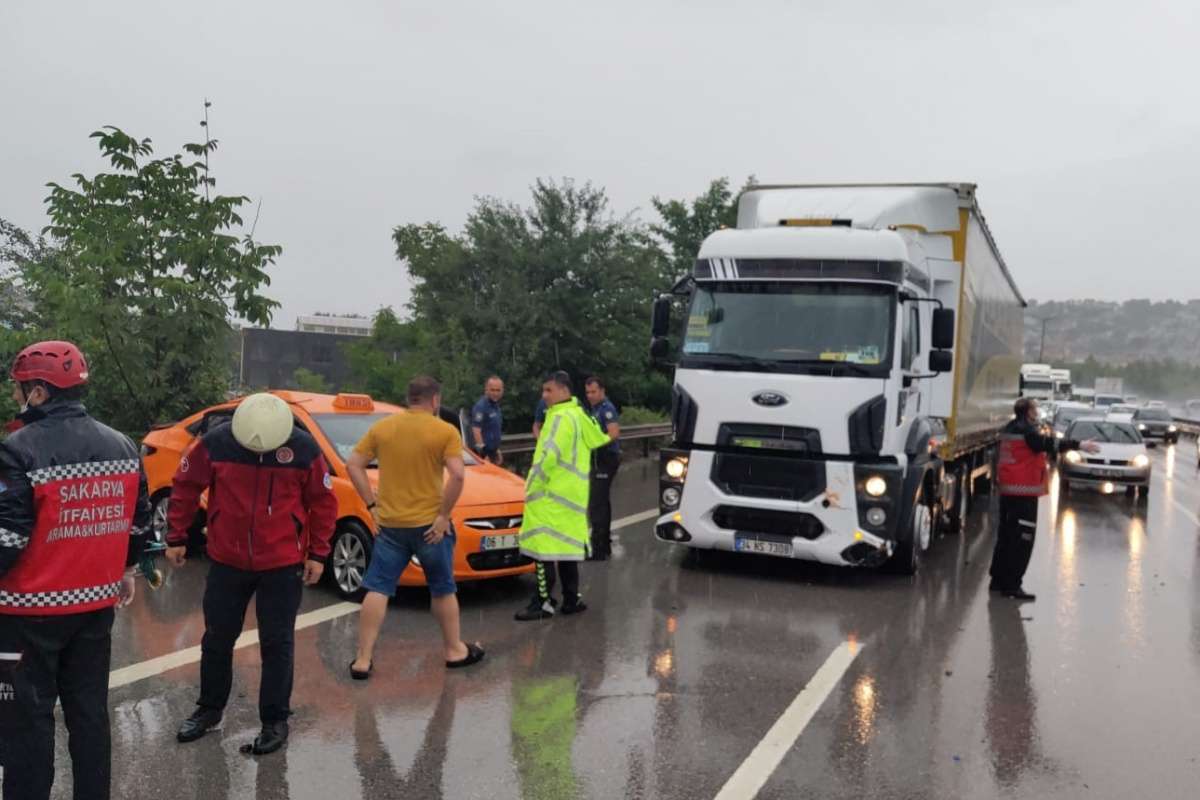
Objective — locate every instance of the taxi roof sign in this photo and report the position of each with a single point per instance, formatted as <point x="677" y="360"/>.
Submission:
<point x="353" y="402"/>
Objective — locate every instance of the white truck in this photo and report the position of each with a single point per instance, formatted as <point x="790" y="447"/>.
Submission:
<point x="849" y="356"/>
<point x="1109" y="392"/>
<point x="1037" y="381"/>
<point x="1061" y="378"/>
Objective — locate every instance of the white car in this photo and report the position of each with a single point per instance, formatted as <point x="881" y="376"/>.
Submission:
<point x="1121" y="462"/>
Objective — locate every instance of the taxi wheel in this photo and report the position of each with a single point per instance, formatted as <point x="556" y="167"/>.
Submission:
<point x="348" y="559"/>
<point x="158" y="517"/>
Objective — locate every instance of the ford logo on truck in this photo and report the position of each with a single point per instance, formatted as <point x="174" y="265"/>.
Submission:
<point x="770" y="399"/>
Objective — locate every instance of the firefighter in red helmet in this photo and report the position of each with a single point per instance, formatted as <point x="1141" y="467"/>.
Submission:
<point x="74" y="517"/>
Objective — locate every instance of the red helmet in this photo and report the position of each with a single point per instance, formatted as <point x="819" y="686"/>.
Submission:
<point x="57" y="363"/>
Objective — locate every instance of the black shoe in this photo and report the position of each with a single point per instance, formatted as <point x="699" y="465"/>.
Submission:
<point x="270" y="739"/>
<point x="537" y="609"/>
<point x="199" y="723"/>
<point x="574" y="606"/>
<point x="1020" y="594"/>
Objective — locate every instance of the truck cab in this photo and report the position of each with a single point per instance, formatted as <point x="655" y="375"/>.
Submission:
<point x="815" y="397"/>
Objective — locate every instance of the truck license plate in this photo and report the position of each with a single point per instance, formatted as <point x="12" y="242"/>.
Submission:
<point x="507" y="541"/>
<point x="746" y="545"/>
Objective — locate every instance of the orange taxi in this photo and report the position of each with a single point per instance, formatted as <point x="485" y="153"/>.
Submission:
<point x="486" y="518"/>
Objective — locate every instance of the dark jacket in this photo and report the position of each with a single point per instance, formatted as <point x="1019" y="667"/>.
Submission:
<point x="264" y="511"/>
<point x="74" y="512"/>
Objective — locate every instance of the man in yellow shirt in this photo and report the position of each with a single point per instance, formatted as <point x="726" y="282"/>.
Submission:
<point x="412" y="508"/>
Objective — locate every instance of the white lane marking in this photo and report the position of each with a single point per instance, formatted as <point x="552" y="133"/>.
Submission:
<point x="1185" y="511"/>
<point x="763" y="760"/>
<point x="190" y="655"/>
<point x="157" y="666"/>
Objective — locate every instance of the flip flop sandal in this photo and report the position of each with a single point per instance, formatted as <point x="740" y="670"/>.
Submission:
<point x="474" y="656"/>
<point x="359" y="675"/>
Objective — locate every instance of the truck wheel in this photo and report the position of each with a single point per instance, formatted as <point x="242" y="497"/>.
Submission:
<point x="914" y="541"/>
<point x="348" y="560"/>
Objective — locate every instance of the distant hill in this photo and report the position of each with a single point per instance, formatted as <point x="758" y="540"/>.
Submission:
<point x="1114" y="333"/>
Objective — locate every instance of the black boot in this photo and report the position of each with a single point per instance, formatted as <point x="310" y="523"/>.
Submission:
<point x="573" y="605"/>
<point x="199" y="723"/>
<point x="1020" y="594"/>
<point x="537" y="609"/>
<point x="272" y="737"/>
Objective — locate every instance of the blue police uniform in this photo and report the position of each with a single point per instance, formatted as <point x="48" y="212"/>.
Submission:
<point x="605" y="463"/>
<point x="486" y="416"/>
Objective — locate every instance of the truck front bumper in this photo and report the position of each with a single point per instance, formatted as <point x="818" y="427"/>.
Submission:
<point x="824" y="528"/>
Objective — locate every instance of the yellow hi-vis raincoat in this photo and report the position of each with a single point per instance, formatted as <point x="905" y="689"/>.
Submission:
<point x="555" y="523"/>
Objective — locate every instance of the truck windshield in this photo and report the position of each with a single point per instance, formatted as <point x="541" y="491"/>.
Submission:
<point x="801" y="327"/>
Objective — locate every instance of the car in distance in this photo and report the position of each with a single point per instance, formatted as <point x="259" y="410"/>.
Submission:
<point x="1122" y="461"/>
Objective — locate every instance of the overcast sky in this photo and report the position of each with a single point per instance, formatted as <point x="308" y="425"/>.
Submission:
<point x="1078" y="120"/>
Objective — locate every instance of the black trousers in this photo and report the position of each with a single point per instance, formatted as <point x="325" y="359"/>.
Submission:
<point x="276" y="596"/>
<point x="567" y="570"/>
<point x="604" y="471"/>
<point x="1014" y="540"/>
<point x="43" y="660"/>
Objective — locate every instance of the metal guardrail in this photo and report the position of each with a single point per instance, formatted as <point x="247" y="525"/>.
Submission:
<point x="1189" y="426"/>
<point x="516" y="443"/>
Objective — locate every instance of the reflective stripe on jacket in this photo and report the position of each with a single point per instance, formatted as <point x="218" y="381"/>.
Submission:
<point x="555" y="523"/>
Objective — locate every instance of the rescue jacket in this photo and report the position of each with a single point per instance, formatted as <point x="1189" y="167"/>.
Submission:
<point x="1024" y="465"/>
<point x="265" y="511"/>
<point x="74" y="512"/>
<point x="555" y="523"/>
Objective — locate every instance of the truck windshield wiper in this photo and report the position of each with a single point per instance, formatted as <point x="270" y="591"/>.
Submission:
<point x="832" y="366"/>
<point x="737" y="358"/>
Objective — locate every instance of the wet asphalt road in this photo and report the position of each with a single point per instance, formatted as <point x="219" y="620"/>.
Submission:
<point x="679" y="669"/>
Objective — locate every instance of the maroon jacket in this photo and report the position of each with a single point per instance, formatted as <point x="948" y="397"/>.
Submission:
<point x="264" y="511"/>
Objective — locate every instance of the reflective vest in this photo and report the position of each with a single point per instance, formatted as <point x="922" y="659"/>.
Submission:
<point x="1023" y="472"/>
<point x="555" y="523"/>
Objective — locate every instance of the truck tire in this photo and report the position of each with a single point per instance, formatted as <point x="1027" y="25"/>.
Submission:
<point x="914" y="540"/>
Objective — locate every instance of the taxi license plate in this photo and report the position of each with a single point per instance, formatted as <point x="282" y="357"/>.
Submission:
<point x="507" y="541"/>
<point x="746" y="545"/>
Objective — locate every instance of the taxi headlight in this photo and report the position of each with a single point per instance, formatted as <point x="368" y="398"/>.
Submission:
<point x="1073" y="457"/>
<point x="1141" y="460"/>
<point x="875" y="486"/>
<point x="676" y="468"/>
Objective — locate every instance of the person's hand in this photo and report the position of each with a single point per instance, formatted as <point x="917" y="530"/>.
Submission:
<point x="312" y="572"/>
<point x="437" y="530"/>
<point x="1089" y="447"/>
<point x="127" y="591"/>
<point x="177" y="555"/>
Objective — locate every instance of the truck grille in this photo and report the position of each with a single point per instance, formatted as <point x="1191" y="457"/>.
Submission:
<point x="755" y="472"/>
<point x="777" y="523"/>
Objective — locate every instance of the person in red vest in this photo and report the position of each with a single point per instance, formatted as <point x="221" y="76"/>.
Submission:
<point x="1024" y="476"/>
<point x="271" y="512"/>
<point x="74" y="519"/>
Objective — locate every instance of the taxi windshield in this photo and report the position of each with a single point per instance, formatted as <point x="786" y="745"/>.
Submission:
<point x="345" y="430"/>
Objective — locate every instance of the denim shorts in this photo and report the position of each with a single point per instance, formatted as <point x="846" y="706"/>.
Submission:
<point x="394" y="549"/>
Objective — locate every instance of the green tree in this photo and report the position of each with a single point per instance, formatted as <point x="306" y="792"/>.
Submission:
<point x="685" y="224"/>
<point x="146" y="271"/>
<point x="308" y="381"/>
<point x="561" y="284"/>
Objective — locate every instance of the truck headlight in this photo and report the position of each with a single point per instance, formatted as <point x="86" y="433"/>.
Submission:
<point x="1141" y="460"/>
<point x="1073" y="457"/>
<point x="876" y="516"/>
<point x="875" y="486"/>
<point x="676" y="468"/>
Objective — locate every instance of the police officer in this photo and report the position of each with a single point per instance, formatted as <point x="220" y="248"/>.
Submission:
<point x="74" y="515"/>
<point x="605" y="463"/>
<point x="487" y="421"/>
<point x="1024" y="473"/>
<point x="271" y="512"/>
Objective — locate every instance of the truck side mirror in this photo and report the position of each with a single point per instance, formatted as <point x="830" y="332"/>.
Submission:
<point x="941" y="360"/>
<point x="660" y="318"/>
<point x="660" y="348"/>
<point x="943" y="329"/>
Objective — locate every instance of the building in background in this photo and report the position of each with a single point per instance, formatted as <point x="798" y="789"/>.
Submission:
<point x="346" y="325"/>
<point x="269" y="359"/>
